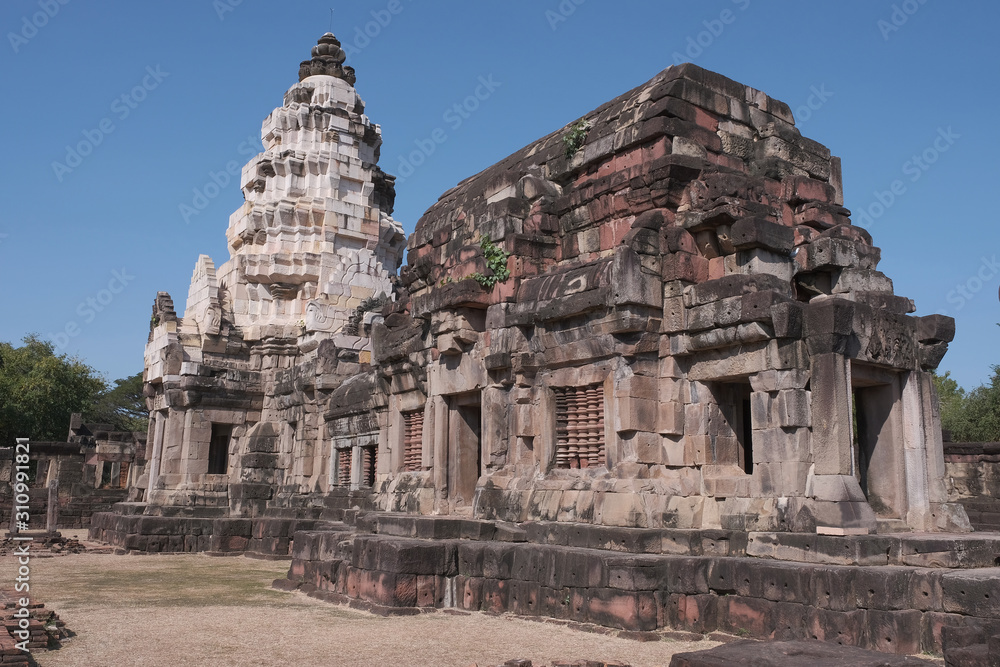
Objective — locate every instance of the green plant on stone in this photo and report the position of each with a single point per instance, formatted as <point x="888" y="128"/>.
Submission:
<point x="575" y="136"/>
<point x="496" y="261"/>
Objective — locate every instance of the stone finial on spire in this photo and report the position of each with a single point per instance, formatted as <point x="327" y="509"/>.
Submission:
<point x="327" y="59"/>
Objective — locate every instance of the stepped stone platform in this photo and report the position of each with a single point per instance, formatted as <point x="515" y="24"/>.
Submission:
<point x="889" y="593"/>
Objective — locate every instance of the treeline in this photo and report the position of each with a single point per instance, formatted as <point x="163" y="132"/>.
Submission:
<point x="40" y="389"/>
<point x="970" y="416"/>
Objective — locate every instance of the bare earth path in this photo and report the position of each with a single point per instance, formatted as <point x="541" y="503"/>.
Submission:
<point x="197" y="610"/>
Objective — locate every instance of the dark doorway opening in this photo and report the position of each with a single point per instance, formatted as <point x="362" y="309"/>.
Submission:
<point x="218" y="449"/>
<point x="744" y="434"/>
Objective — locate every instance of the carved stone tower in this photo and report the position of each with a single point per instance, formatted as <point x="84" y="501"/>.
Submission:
<point x="313" y="253"/>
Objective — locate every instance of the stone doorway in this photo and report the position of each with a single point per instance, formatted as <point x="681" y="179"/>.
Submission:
<point x="877" y="444"/>
<point x="464" y="449"/>
<point x="732" y="444"/>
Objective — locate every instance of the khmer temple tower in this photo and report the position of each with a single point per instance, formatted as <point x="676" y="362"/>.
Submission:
<point x="313" y="252"/>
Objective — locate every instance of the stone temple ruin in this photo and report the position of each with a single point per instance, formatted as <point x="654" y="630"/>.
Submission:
<point x="643" y="372"/>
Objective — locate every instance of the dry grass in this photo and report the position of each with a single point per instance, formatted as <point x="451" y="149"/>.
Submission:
<point x="198" y="610"/>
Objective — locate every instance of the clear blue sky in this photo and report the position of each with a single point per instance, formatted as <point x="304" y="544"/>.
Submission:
<point x="199" y="76"/>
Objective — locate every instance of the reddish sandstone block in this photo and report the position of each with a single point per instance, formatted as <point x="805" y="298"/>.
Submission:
<point x="657" y="149"/>
<point x="524" y="597"/>
<point x="555" y="602"/>
<point x="893" y="631"/>
<point x="746" y="616"/>
<point x="729" y="161"/>
<point x="613" y="232"/>
<point x="716" y="268"/>
<point x="469" y="593"/>
<point x="694" y="613"/>
<point x="353" y="588"/>
<point x="496" y="593"/>
<point x="686" y="267"/>
<point x="629" y="159"/>
<point x="426" y="590"/>
<point x="933" y="626"/>
<point x="632" y="610"/>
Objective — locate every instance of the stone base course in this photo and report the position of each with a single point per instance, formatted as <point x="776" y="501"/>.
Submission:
<point x="895" y="594"/>
<point x="890" y="593"/>
<point x="789" y="654"/>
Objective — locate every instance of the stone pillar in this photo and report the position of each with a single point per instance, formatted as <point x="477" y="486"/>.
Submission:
<point x="441" y="419"/>
<point x="833" y="430"/>
<point x="157" y="430"/>
<point x="835" y="503"/>
<point x="52" y="513"/>
<point x="927" y="508"/>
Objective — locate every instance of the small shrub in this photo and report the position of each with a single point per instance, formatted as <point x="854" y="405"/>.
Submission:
<point x="575" y="137"/>
<point x="496" y="261"/>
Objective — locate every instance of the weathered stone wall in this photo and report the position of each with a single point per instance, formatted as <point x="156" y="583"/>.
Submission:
<point x="973" y="477"/>
<point x="657" y="316"/>
<point x="688" y="323"/>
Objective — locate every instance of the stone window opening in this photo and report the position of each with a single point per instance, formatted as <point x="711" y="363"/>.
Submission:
<point x="413" y="434"/>
<point x="368" y="465"/>
<point x="218" y="449"/>
<point x="105" y="482"/>
<point x="344" y="467"/>
<point x="580" y="427"/>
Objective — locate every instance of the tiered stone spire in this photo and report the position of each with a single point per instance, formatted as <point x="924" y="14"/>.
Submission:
<point x="315" y="237"/>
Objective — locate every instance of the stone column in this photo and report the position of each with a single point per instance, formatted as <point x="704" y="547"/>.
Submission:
<point x="835" y="503"/>
<point x="441" y="462"/>
<point x="833" y="431"/>
<point x="157" y="450"/>
<point x="52" y="513"/>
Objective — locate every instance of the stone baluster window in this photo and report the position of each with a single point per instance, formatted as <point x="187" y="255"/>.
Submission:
<point x="413" y="433"/>
<point x="344" y="467"/>
<point x="368" y="462"/>
<point x="580" y="426"/>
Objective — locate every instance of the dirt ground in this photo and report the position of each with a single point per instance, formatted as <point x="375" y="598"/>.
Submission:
<point x="193" y="609"/>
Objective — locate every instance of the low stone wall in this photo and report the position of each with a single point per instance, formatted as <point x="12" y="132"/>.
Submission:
<point x="266" y="537"/>
<point x="873" y="600"/>
<point x="75" y="510"/>
<point x="972" y="470"/>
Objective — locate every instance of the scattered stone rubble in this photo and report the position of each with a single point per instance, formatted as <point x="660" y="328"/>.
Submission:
<point x="46" y="545"/>
<point x="47" y="630"/>
<point x="558" y="663"/>
<point x="645" y="372"/>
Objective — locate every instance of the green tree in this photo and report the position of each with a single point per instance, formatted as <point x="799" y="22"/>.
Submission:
<point x="40" y="389"/>
<point x="123" y="406"/>
<point x="970" y="416"/>
<point x="981" y="414"/>
<point x="952" y="398"/>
